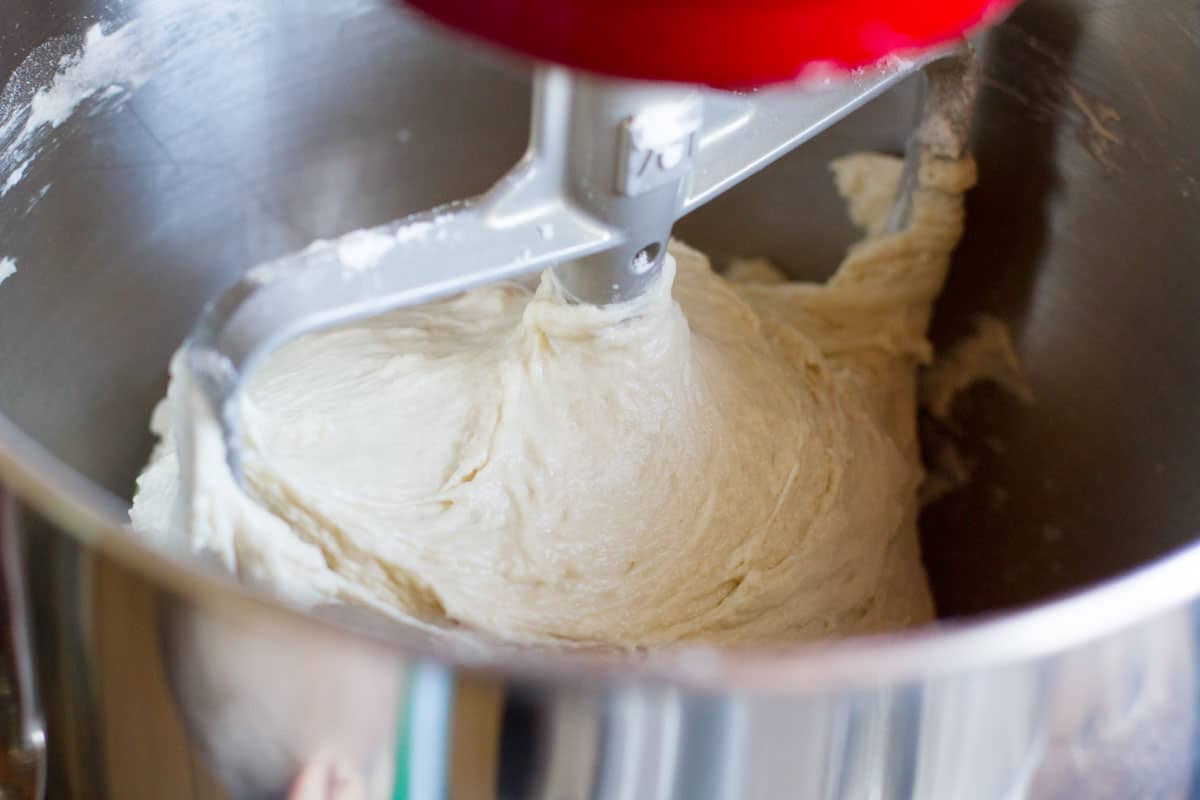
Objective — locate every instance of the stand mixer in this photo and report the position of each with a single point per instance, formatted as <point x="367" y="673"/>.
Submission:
<point x="624" y="142"/>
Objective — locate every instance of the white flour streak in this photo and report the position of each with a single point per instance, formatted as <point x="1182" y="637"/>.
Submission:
<point x="15" y="176"/>
<point x="53" y="82"/>
<point x="111" y="64"/>
<point x="37" y="197"/>
<point x="363" y="249"/>
<point x="8" y="268"/>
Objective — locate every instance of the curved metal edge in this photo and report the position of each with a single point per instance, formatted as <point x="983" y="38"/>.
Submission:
<point x="99" y="520"/>
<point x="25" y="750"/>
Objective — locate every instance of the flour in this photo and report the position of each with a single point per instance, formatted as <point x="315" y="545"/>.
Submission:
<point x="15" y="177"/>
<point x="110" y="65"/>
<point x="364" y="249"/>
<point x="37" y="197"/>
<point x="56" y="80"/>
<point x="8" y="268"/>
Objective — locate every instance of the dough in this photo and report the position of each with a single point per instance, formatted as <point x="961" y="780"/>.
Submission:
<point x="726" y="460"/>
<point x="986" y="356"/>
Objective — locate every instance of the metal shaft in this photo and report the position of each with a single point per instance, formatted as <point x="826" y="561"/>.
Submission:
<point x="630" y="150"/>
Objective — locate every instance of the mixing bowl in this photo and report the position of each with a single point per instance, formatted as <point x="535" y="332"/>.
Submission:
<point x="1064" y="569"/>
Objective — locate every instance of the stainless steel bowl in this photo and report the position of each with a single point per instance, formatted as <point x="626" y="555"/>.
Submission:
<point x="1067" y="666"/>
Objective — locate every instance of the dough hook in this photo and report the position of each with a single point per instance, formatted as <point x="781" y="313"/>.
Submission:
<point x="611" y="165"/>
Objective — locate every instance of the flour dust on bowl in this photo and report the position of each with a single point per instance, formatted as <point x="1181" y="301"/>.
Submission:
<point x="234" y="133"/>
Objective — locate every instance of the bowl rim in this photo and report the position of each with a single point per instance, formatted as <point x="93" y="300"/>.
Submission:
<point x="98" y="519"/>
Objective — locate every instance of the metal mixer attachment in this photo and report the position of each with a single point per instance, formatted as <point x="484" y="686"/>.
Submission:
<point x="611" y="165"/>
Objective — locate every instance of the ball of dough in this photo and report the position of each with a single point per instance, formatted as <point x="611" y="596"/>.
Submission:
<point x="722" y="459"/>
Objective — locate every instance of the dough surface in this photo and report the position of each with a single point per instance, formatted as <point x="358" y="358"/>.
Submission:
<point x="724" y="459"/>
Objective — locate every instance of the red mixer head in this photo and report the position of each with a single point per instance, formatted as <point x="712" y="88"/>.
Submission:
<point x="722" y="43"/>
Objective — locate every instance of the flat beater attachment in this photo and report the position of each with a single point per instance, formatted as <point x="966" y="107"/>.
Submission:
<point x="611" y="165"/>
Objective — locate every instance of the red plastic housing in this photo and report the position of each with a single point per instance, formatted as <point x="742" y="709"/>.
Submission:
<point x="723" y="43"/>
